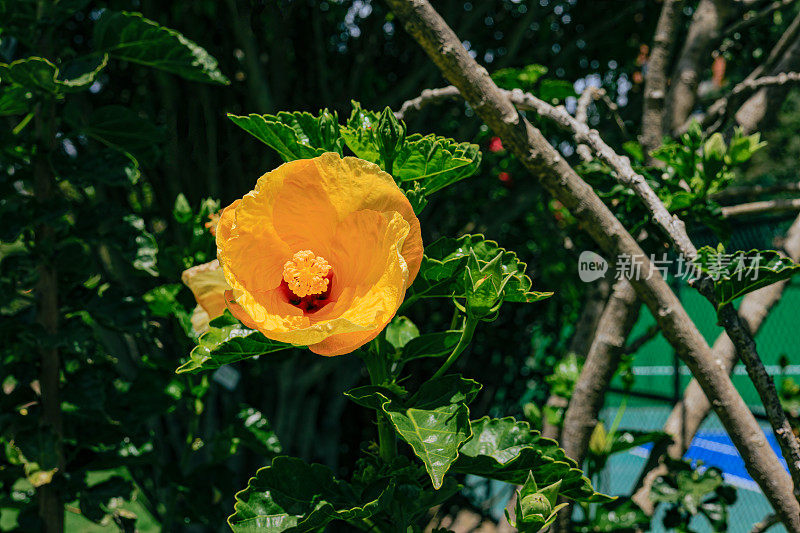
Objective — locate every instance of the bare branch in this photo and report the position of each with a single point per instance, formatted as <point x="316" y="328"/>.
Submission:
<point x="545" y="163"/>
<point x="720" y="110"/>
<point x="750" y="18"/>
<point x="655" y="80"/>
<point x="616" y="323"/>
<point x="768" y="522"/>
<point x="754" y="191"/>
<point x="427" y="97"/>
<point x="759" y="208"/>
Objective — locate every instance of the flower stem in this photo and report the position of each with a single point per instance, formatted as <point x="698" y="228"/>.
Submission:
<point x="378" y="372"/>
<point x="466" y="337"/>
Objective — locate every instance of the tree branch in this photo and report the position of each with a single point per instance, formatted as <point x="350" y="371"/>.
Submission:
<point x="759" y="208"/>
<point x="545" y="163"/>
<point x="616" y="323"/>
<point x="753" y="191"/>
<point x="689" y="413"/>
<point x="694" y="57"/>
<point x="655" y="80"/>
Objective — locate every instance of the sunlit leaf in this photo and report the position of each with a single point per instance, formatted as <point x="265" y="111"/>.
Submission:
<point x="39" y="74"/>
<point x="736" y="274"/>
<point x="297" y="135"/>
<point x="228" y="341"/>
<point x="442" y="270"/>
<point x="507" y="450"/>
<point x="434" y="423"/>
<point x="131" y="37"/>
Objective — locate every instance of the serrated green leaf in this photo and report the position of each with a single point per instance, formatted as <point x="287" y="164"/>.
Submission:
<point x="297" y="135"/>
<point x="228" y="341"/>
<point x="442" y="270"/>
<point x="435" y="423"/>
<point x="40" y="74"/>
<point x="131" y="37"/>
<point x="293" y="496"/>
<point x="429" y="162"/>
<point x="507" y="450"/>
<point x="435" y="162"/>
<point x="736" y="274"/>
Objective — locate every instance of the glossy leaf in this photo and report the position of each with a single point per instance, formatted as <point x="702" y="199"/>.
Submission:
<point x="228" y="341"/>
<point x="430" y="161"/>
<point x="131" y="37"/>
<point x="507" y="450"/>
<point x="297" y="135"/>
<point x="435" y="162"/>
<point x="739" y="273"/>
<point x="291" y="495"/>
<point x="442" y="270"/>
<point x="40" y="74"/>
<point x="435" y="423"/>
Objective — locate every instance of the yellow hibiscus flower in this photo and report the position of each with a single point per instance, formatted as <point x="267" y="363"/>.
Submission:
<point x="319" y="254"/>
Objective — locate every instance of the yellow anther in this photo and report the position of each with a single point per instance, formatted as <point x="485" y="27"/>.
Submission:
<point x="305" y="273"/>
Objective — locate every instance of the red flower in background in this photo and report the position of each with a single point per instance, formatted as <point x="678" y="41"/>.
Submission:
<point x="506" y="179"/>
<point x="495" y="145"/>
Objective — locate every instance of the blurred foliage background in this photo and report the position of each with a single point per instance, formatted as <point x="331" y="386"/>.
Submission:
<point x="146" y="448"/>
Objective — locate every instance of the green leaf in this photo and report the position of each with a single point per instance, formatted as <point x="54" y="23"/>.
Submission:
<point x="15" y="100"/>
<point x="182" y="211"/>
<point x="736" y="274"/>
<point x="691" y="490"/>
<point x="435" y="423"/>
<point x="119" y="128"/>
<point x="39" y="74"/>
<point x="297" y="135"/>
<point x="429" y="162"/>
<point x="507" y="450"/>
<point x="564" y="376"/>
<point x="94" y="500"/>
<point x="431" y="345"/>
<point x="291" y="495"/>
<point x="131" y="37"/>
<point x="622" y="514"/>
<point x="519" y="78"/>
<point x="256" y="433"/>
<point x="554" y="90"/>
<point x="435" y="162"/>
<point x="228" y="341"/>
<point x="443" y="267"/>
<point x="400" y="331"/>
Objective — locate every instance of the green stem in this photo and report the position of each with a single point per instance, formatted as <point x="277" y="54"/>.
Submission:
<point x="378" y="372"/>
<point x="466" y="337"/>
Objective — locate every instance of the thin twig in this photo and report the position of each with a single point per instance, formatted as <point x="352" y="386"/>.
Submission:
<point x="759" y="208"/>
<point x="769" y="521"/>
<point x="720" y="110"/>
<point x="753" y="191"/>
